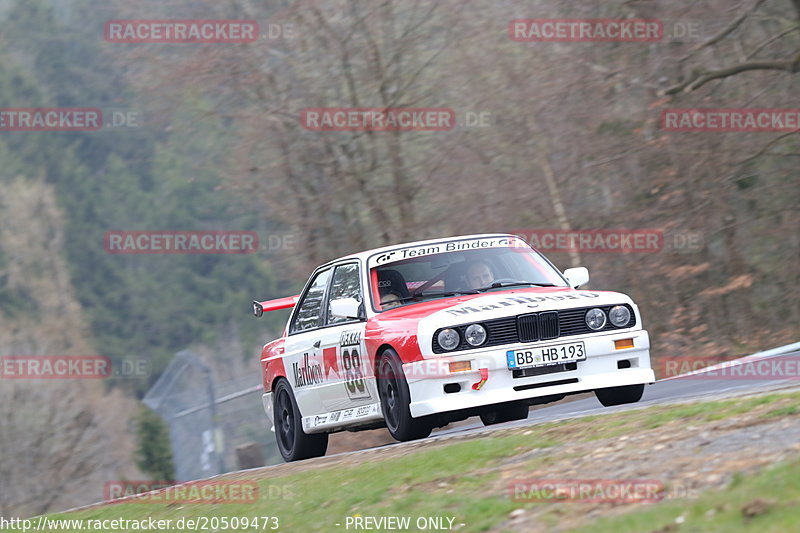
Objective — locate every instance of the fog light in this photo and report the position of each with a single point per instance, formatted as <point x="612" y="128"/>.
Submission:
<point x="623" y="343"/>
<point x="460" y="366"/>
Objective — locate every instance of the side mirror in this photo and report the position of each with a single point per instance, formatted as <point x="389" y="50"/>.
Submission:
<point x="577" y="276"/>
<point x="348" y="308"/>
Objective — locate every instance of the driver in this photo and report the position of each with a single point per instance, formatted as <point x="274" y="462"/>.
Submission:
<point x="390" y="300"/>
<point x="479" y="275"/>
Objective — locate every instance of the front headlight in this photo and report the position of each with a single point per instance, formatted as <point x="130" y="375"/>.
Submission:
<point x="619" y="315"/>
<point x="475" y="334"/>
<point x="595" y="319"/>
<point x="449" y="339"/>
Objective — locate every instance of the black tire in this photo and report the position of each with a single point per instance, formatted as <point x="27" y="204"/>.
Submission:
<point x="620" y="395"/>
<point x="293" y="443"/>
<point x="395" y="399"/>
<point x="506" y="413"/>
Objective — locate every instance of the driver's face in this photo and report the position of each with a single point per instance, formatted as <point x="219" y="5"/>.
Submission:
<point x="479" y="275"/>
<point x="390" y="300"/>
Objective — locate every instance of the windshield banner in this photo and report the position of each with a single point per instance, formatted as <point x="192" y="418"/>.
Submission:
<point x="401" y="254"/>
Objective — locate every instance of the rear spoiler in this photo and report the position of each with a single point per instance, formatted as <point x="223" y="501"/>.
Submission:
<point x="259" y="308"/>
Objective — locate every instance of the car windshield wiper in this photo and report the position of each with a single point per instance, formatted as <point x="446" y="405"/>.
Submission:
<point x="437" y="294"/>
<point x="448" y="293"/>
<point x="505" y="284"/>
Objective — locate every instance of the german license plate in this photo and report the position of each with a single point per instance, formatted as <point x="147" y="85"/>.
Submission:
<point x="546" y="355"/>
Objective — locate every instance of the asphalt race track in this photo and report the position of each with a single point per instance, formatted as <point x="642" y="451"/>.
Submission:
<point x="680" y="389"/>
<point x="701" y="384"/>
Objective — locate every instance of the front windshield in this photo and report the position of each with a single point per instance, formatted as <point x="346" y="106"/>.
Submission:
<point x="415" y="274"/>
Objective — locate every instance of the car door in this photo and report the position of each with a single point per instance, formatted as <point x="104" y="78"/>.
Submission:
<point x="302" y="358"/>
<point x="346" y="368"/>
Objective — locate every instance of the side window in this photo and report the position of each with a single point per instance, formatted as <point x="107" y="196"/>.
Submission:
<point x="308" y="313"/>
<point x="345" y="285"/>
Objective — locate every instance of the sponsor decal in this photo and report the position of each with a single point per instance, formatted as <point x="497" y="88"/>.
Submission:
<point x="452" y="246"/>
<point x="517" y="300"/>
<point x="329" y="361"/>
<point x="310" y="373"/>
<point x="343" y="415"/>
<point x="350" y="338"/>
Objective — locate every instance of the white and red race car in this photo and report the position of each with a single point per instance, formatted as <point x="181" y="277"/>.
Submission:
<point x="418" y="335"/>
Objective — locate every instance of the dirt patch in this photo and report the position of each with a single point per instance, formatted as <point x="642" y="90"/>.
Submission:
<point x="686" y="459"/>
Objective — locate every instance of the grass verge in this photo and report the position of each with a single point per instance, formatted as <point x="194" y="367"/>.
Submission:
<point x="460" y="479"/>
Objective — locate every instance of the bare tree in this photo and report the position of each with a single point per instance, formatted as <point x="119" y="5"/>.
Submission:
<point x="574" y="141"/>
<point x="61" y="439"/>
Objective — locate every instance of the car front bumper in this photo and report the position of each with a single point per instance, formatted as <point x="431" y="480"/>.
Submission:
<point x="491" y="382"/>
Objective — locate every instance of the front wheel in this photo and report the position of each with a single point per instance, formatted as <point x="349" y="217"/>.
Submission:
<point x="293" y="443"/>
<point x="507" y="413"/>
<point x="396" y="398"/>
<point x="620" y="395"/>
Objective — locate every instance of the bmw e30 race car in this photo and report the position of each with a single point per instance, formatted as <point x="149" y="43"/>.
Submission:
<point x="418" y="335"/>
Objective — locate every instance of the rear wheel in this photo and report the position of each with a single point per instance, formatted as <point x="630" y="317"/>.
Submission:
<point x="293" y="443"/>
<point x="395" y="400"/>
<point x="620" y="395"/>
<point x="507" y="413"/>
